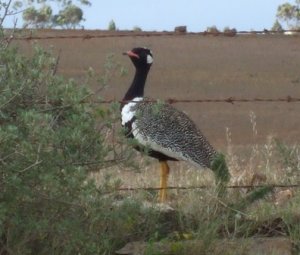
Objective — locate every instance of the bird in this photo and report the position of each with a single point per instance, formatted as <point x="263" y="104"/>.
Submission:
<point x="163" y="131"/>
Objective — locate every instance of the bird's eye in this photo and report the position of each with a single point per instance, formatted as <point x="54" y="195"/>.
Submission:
<point x="149" y="59"/>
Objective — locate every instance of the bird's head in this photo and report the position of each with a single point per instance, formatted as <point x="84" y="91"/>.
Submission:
<point x="140" y="57"/>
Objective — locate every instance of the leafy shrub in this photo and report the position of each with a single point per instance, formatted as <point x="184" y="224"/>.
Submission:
<point x="51" y="137"/>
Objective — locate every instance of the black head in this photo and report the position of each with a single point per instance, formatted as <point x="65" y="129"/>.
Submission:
<point x="140" y="57"/>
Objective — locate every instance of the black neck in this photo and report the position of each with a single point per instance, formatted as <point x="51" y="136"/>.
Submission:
<point x="137" y="86"/>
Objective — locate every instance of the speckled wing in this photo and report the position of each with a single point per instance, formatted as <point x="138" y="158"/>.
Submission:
<point x="165" y="129"/>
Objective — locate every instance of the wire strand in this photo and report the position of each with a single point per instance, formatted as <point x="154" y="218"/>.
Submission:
<point x="231" y="100"/>
<point x="86" y="35"/>
<point x="207" y="187"/>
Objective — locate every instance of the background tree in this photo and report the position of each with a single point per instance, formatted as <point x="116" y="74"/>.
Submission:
<point x="277" y="26"/>
<point x="69" y="17"/>
<point x="112" y="26"/>
<point x="38" y="18"/>
<point x="290" y="14"/>
<point x="40" y="14"/>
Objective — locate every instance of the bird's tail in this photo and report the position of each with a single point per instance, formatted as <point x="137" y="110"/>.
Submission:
<point x="221" y="171"/>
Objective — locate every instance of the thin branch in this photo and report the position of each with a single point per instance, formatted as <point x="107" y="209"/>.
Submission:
<point x="14" y="96"/>
<point x="2" y="160"/>
<point x="6" y="12"/>
<point x="54" y="71"/>
<point x="5" y="42"/>
<point x="15" y="12"/>
<point x="43" y="196"/>
<point x="104" y="164"/>
<point x="31" y="166"/>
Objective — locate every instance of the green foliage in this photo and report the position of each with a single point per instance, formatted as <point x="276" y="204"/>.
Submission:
<point x="40" y="18"/>
<point x="70" y="16"/>
<point x="220" y="168"/>
<point x="156" y="108"/>
<point x="38" y="14"/>
<point x="221" y="172"/>
<point x="51" y="138"/>
<point x="289" y="13"/>
<point x="253" y="196"/>
<point x="112" y="26"/>
<point x="289" y="158"/>
<point x="277" y="26"/>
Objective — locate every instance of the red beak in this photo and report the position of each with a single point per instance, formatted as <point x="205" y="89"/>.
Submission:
<point x="131" y="54"/>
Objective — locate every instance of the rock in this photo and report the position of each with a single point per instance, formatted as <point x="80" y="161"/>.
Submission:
<point x="282" y="197"/>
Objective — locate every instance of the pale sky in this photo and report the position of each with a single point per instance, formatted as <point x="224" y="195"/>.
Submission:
<point x="197" y="15"/>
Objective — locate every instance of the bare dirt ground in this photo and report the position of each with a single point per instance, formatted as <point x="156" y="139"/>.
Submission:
<point x="200" y="67"/>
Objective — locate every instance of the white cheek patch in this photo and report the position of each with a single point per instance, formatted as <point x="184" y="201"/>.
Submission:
<point x="149" y="59"/>
<point x="127" y="112"/>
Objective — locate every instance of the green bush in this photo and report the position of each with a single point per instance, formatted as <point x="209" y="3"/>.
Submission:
<point x="51" y="137"/>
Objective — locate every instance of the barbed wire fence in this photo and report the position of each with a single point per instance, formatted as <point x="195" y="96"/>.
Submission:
<point x="231" y="100"/>
<point x="87" y="35"/>
<point x="207" y="186"/>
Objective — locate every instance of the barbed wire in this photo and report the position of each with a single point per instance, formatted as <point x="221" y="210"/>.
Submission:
<point x="86" y="35"/>
<point x="208" y="187"/>
<point x="231" y="100"/>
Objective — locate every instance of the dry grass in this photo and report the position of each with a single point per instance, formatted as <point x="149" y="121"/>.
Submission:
<point x="201" y="213"/>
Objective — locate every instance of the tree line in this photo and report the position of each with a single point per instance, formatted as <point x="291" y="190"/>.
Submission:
<point x="69" y="14"/>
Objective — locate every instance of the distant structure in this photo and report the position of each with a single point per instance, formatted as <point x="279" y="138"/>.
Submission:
<point x="230" y="31"/>
<point x="213" y="30"/>
<point x="180" y="29"/>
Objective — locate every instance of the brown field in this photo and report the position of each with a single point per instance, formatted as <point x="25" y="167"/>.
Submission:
<point x="200" y="67"/>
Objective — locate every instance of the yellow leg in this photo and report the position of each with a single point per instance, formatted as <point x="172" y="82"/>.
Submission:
<point x="164" y="174"/>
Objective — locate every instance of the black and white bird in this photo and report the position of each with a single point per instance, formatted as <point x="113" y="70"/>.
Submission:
<point x="162" y="130"/>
